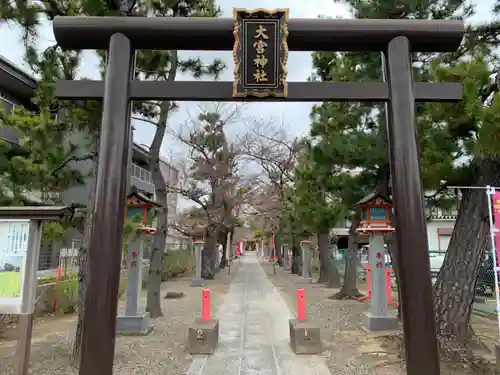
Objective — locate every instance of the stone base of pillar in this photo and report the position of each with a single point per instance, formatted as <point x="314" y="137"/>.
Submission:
<point x="304" y="280"/>
<point x="304" y="337"/>
<point x="197" y="282"/>
<point x="138" y="325"/>
<point x="497" y="359"/>
<point x="380" y="323"/>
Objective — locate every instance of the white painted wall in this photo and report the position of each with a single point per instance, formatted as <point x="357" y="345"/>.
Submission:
<point x="438" y="243"/>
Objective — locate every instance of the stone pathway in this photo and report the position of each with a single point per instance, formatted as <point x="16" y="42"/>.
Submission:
<point x="254" y="338"/>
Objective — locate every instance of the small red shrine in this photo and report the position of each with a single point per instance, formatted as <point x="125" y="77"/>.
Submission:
<point x="139" y="204"/>
<point x="375" y="212"/>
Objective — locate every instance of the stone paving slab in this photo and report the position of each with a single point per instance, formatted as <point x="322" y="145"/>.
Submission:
<point x="253" y="336"/>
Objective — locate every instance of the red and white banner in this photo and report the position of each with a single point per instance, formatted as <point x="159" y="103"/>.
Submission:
<point x="496" y="217"/>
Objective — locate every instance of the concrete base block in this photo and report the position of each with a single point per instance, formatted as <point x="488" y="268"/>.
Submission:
<point x="304" y="280"/>
<point x="304" y="337"/>
<point x="197" y="282"/>
<point x="203" y="336"/>
<point x="497" y="359"/>
<point x="134" y="325"/>
<point x="380" y="323"/>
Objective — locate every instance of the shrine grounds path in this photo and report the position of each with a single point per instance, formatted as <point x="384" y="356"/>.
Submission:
<point x="253" y="306"/>
<point x="254" y="336"/>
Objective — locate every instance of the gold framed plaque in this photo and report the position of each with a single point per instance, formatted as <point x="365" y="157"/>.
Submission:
<point x="260" y="53"/>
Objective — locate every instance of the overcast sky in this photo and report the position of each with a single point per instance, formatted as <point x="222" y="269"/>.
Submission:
<point x="294" y="115"/>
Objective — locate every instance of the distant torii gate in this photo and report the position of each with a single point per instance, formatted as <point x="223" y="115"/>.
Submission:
<point x="396" y="38"/>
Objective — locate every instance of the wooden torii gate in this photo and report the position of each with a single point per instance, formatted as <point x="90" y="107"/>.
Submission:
<point x="395" y="38"/>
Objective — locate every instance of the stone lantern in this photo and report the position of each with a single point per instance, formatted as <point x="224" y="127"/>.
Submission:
<point x="134" y="321"/>
<point x="198" y="243"/>
<point x="306" y="249"/>
<point x="375" y="213"/>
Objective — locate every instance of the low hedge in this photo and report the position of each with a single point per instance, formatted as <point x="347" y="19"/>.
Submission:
<point x="178" y="262"/>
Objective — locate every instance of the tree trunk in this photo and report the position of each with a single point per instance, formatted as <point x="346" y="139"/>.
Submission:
<point x="156" y="263"/>
<point x="349" y="288"/>
<point x="215" y="266"/>
<point x="323" y="273"/>
<point x="454" y="289"/>
<point x="207" y="256"/>
<point x="278" y="244"/>
<point x="332" y="275"/>
<point x="84" y="262"/>
<point x="300" y="260"/>
<point x="295" y="256"/>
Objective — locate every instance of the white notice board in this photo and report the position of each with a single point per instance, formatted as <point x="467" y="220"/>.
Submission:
<point x="13" y="255"/>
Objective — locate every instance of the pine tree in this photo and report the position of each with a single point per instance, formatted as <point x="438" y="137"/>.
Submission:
<point x="164" y="66"/>
<point x="456" y="147"/>
<point x="317" y="209"/>
<point x="150" y="65"/>
<point x="212" y="184"/>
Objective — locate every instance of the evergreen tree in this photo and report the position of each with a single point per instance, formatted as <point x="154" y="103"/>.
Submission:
<point x="317" y="209"/>
<point x="85" y="117"/>
<point x="164" y="66"/>
<point x="455" y="142"/>
<point x="211" y="181"/>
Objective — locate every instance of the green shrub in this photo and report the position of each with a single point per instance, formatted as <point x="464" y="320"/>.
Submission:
<point x="68" y="295"/>
<point x="178" y="262"/>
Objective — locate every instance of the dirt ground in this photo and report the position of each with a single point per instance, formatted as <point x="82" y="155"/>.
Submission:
<point x="162" y="352"/>
<point x="349" y="349"/>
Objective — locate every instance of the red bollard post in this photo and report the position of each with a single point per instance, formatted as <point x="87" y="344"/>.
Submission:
<point x="205" y="305"/>
<point x="55" y="305"/>
<point x="368" y="297"/>
<point x="388" y="288"/>
<point x="301" y="305"/>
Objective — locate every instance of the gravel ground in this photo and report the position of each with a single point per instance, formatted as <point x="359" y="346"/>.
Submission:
<point x="162" y="352"/>
<point x="349" y="349"/>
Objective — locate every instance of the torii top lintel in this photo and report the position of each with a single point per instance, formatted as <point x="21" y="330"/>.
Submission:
<point x="216" y="34"/>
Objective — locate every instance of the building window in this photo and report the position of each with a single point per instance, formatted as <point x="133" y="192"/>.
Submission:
<point x="7" y="104"/>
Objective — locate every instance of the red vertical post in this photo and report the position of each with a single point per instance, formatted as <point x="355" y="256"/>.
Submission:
<point x="205" y="305"/>
<point x="55" y="306"/>
<point x="388" y="288"/>
<point x="369" y="284"/>
<point x="301" y="305"/>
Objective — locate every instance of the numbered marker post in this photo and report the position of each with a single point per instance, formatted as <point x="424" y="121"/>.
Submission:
<point x="203" y="334"/>
<point x="205" y="305"/>
<point x="301" y="305"/>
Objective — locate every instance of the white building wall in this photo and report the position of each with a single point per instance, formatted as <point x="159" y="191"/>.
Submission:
<point x="438" y="233"/>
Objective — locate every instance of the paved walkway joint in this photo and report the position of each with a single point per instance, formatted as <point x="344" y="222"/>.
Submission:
<point x="253" y="337"/>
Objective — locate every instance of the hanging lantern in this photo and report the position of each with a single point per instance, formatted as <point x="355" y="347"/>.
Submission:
<point x="375" y="211"/>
